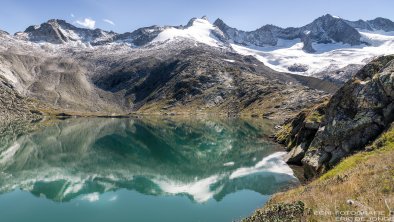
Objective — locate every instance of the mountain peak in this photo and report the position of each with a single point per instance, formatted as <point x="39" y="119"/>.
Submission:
<point x="219" y="22"/>
<point x="56" y="21"/>
<point x="327" y="28"/>
<point x="58" y="31"/>
<point x="328" y="17"/>
<point x="222" y="26"/>
<point x="191" y="21"/>
<point x="3" y="32"/>
<point x="203" y="19"/>
<point x="380" y="23"/>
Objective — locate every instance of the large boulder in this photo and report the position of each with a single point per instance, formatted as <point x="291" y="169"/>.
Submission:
<point x="361" y="110"/>
<point x="319" y="137"/>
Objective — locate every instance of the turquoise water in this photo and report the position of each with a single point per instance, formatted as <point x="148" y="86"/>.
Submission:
<point x="140" y="170"/>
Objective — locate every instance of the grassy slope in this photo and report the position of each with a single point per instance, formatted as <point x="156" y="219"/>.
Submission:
<point x="366" y="178"/>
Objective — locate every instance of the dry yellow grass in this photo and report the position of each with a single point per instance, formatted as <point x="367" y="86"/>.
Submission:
<point x="365" y="179"/>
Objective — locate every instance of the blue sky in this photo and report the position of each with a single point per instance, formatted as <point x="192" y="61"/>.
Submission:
<point x="16" y="15"/>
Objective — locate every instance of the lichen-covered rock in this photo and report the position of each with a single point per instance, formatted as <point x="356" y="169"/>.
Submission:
<point x="299" y="132"/>
<point x="357" y="113"/>
<point x="361" y="110"/>
<point x="291" y="212"/>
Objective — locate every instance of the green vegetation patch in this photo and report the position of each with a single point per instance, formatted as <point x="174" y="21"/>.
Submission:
<point x="383" y="144"/>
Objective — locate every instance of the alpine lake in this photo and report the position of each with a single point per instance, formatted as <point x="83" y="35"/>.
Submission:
<point x="140" y="169"/>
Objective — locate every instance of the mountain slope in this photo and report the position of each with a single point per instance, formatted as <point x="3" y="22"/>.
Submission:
<point x="198" y="67"/>
<point x="346" y="184"/>
<point x="13" y="106"/>
<point x="176" y="75"/>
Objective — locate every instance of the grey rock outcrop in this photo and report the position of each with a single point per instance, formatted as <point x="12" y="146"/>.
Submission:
<point x="353" y="118"/>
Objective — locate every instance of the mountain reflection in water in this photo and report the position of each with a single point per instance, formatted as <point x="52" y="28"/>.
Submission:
<point x="200" y="159"/>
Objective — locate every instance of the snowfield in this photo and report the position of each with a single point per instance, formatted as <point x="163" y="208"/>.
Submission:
<point x="327" y="56"/>
<point x="200" y="31"/>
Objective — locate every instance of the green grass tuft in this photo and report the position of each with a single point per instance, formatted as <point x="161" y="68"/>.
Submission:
<point x="383" y="144"/>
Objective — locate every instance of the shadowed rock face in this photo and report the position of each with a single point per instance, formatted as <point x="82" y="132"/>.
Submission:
<point x="81" y="156"/>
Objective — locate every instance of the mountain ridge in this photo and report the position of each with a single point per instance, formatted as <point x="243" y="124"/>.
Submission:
<point x="324" y="29"/>
<point x="328" y="44"/>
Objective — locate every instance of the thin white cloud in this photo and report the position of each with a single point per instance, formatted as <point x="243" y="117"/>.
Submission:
<point x="87" y="22"/>
<point x="109" y="21"/>
<point x="72" y="15"/>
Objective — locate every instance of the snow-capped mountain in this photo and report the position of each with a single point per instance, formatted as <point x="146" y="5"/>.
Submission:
<point x="327" y="44"/>
<point x="199" y="30"/>
<point x="57" y="31"/>
<point x="326" y="29"/>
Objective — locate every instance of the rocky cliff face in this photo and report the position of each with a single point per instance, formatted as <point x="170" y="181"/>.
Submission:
<point x="353" y="118"/>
